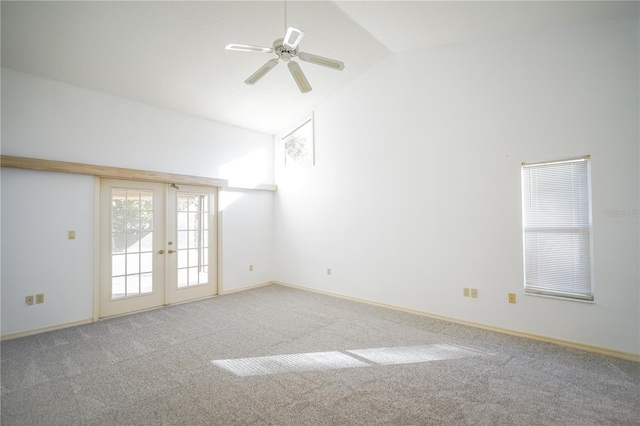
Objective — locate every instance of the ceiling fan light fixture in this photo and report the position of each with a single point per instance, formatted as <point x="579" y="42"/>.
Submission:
<point x="292" y="38"/>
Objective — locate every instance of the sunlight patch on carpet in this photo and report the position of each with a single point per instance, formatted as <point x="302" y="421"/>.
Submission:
<point x="314" y="361"/>
<point x="412" y="354"/>
<point x="318" y="361"/>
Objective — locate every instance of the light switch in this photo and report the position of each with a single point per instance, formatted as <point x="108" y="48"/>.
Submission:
<point x="72" y="235"/>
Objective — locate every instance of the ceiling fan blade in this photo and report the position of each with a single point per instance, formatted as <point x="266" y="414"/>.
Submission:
<point x="248" y="48"/>
<point x="319" y="60"/>
<point x="293" y="38"/>
<point x="299" y="77"/>
<point x="261" y="72"/>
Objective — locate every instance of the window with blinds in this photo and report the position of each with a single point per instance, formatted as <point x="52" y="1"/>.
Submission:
<point x="556" y="221"/>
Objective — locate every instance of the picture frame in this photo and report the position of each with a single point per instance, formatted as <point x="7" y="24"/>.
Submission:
<point x="299" y="145"/>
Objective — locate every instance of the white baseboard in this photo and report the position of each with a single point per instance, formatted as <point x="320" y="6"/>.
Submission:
<point x="45" y="329"/>
<point x="566" y="343"/>
<point x="90" y="320"/>
<point x="560" y="342"/>
<point x="249" y="287"/>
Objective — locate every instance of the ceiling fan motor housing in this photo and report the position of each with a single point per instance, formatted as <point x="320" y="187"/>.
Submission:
<point x="283" y="52"/>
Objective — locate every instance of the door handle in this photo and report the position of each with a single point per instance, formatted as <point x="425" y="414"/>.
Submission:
<point x="171" y="251"/>
<point x="160" y="251"/>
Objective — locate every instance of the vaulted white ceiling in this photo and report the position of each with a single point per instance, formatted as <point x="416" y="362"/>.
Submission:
<point x="171" y="53"/>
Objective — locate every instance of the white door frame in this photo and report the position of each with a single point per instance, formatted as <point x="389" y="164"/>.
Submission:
<point x="97" y="241"/>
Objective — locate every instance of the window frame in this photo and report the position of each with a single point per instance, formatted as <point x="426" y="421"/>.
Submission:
<point x="308" y="158"/>
<point x="546" y="278"/>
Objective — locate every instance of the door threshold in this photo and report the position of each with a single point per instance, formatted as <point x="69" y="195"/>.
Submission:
<point x="156" y="307"/>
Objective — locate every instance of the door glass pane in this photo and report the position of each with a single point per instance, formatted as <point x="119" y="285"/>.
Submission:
<point x="182" y="257"/>
<point x="118" y="264"/>
<point x="183" y="239"/>
<point x="118" y="242"/>
<point x="193" y="276"/>
<point x="183" y="279"/>
<point x="133" y="263"/>
<point x="203" y="275"/>
<point x="193" y="257"/>
<point x="131" y="242"/>
<point x="133" y="218"/>
<point x="193" y="241"/>
<point x="146" y="283"/>
<point x="118" y="287"/>
<point x="146" y="201"/>
<point x="146" y="242"/>
<point x="146" y="262"/>
<point x="183" y="222"/>
<point x="133" y="284"/>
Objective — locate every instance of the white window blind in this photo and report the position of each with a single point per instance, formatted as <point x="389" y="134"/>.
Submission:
<point x="556" y="219"/>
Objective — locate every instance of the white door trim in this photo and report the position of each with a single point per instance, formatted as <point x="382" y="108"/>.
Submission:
<point x="98" y="240"/>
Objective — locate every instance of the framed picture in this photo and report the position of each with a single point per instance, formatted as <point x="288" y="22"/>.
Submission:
<point x="299" y="145"/>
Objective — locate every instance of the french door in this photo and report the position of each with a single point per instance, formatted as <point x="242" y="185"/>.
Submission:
<point x="192" y="243"/>
<point x="158" y="245"/>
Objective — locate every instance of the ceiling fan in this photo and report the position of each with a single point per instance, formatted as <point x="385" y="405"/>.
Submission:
<point x="286" y="49"/>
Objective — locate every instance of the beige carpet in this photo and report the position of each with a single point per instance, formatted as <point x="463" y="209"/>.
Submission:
<point x="282" y="356"/>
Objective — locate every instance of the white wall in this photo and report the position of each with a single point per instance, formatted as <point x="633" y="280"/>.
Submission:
<point x="246" y="215"/>
<point x="416" y="189"/>
<point x="38" y="210"/>
<point x="43" y="118"/>
<point x="47" y="119"/>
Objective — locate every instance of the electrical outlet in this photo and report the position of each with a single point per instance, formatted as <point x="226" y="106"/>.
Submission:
<point x="328" y="271"/>
<point x="251" y="268"/>
<point x="40" y="298"/>
<point x="72" y="235"/>
<point x="512" y="298"/>
<point x="465" y="291"/>
<point x="28" y="300"/>
<point x="474" y="293"/>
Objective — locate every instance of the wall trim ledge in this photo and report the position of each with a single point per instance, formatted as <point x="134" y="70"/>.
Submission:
<point x="122" y="173"/>
<point x="560" y="342"/>
<point x="45" y="329"/>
